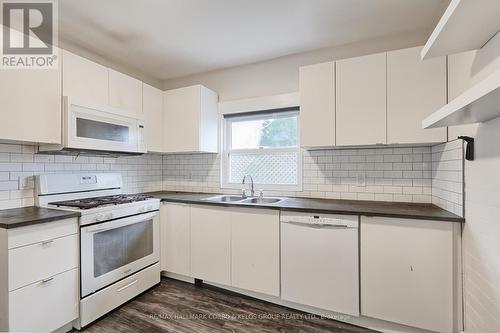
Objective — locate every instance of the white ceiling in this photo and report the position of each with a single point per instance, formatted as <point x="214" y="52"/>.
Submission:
<point x="173" y="38"/>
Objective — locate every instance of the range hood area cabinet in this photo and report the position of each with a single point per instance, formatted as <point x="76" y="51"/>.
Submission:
<point x="369" y="100"/>
<point x="93" y="84"/>
<point x="191" y="120"/>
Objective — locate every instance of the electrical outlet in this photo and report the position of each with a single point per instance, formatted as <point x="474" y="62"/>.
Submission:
<point x="361" y="179"/>
<point x="26" y="182"/>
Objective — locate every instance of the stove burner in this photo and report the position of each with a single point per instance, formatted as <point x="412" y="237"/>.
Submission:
<point x="88" y="203"/>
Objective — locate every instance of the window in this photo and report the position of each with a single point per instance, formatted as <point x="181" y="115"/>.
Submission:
<point x="264" y="145"/>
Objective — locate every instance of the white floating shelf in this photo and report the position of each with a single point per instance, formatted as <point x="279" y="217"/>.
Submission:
<point x="478" y="104"/>
<point x="465" y="25"/>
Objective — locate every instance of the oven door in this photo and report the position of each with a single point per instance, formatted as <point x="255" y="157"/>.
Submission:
<point x="101" y="128"/>
<point x="113" y="250"/>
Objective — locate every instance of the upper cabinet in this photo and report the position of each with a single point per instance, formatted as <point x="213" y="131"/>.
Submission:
<point x="415" y="89"/>
<point x="84" y="80"/>
<point x="152" y="105"/>
<point x="30" y="102"/>
<point x="190" y="120"/>
<point x="94" y="84"/>
<point x="317" y="105"/>
<point x="361" y="100"/>
<point x="125" y="93"/>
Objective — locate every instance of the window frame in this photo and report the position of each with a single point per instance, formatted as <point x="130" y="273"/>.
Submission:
<point x="228" y="119"/>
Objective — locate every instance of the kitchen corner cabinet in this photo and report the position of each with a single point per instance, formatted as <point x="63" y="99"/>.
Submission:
<point x="125" y="93"/>
<point x="190" y="120"/>
<point x="152" y="105"/>
<point x="211" y="244"/>
<point x="361" y="100"/>
<point x="415" y="89"/>
<point x="84" y="80"/>
<point x="407" y="272"/>
<point x="317" y="105"/>
<point x="255" y="250"/>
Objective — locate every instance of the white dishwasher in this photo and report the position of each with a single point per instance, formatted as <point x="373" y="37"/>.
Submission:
<point x="320" y="261"/>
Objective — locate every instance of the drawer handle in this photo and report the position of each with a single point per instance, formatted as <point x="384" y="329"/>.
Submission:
<point x="128" y="285"/>
<point x="45" y="281"/>
<point x="47" y="242"/>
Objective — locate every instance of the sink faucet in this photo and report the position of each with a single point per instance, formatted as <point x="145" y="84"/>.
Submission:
<point x="252" y="192"/>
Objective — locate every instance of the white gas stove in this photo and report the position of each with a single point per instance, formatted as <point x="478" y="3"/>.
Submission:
<point x="119" y="237"/>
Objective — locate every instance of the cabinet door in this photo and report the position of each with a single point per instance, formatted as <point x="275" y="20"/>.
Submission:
<point x="255" y="250"/>
<point x="415" y="89"/>
<point x="175" y="238"/>
<point x="182" y="119"/>
<point x="317" y="105"/>
<point x="125" y="93"/>
<point x="211" y="244"/>
<point x="152" y="105"/>
<point x="31" y="105"/>
<point x="84" y="80"/>
<point x="407" y="272"/>
<point x="361" y="100"/>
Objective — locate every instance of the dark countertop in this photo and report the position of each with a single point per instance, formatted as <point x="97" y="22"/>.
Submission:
<point x="331" y="206"/>
<point x="21" y="217"/>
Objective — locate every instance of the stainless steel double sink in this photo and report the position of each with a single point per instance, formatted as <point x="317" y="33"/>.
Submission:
<point x="242" y="200"/>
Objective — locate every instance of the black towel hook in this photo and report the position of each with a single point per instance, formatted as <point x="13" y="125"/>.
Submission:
<point x="469" y="150"/>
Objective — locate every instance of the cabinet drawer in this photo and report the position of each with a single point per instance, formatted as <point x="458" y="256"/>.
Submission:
<point x="107" y="299"/>
<point x="38" y="261"/>
<point x="41" y="232"/>
<point x="44" y="306"/>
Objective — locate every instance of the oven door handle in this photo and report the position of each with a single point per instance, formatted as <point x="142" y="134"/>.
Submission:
<point x="120" y="222"/>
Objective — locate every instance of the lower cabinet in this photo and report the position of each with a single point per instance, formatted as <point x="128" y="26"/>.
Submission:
<point x="175" y="229"/>
<point x="236" y="247"/>
<point x="255" y="252"/>
<point x="407" y="272"/>
<point x="211" y="244"/>
<point x="40" y="286"/>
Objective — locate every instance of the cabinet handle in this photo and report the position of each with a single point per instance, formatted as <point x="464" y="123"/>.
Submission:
<point x="45" y="281"/>
<point x="47" y="242"/>
<point x="127" y="286"/>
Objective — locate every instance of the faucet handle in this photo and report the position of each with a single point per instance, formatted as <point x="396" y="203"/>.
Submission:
<point x="243" y="193"/>
<point x="261" y="194"/>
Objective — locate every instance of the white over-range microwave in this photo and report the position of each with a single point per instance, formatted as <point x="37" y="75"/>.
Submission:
<point x="98" y="130"/>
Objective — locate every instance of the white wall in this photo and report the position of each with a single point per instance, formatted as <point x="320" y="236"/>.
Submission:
<point x="481" y="235"/>
<point x="281" y="75"/>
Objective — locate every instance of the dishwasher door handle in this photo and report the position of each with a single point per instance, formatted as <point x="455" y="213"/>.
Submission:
<point x="319" y="225"/>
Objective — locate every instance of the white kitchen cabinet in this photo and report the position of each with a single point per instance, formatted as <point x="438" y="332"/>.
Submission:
<point x="84" y="81"/>
<point x="152" y="105"/>
<point x="415" y="89"/>
<point x="407" y="272"/>
<point x="190" y="120"/>
<point x="361" y="100"/>
<point x="317" y="105"/>
<point x="125" y="93"/>
<point x="175" y="228"/>
<point x="30" y="102"/>
<point x="255" y="250"/>
<point x="40" y="276"/>
<point x="211" y="244"/>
